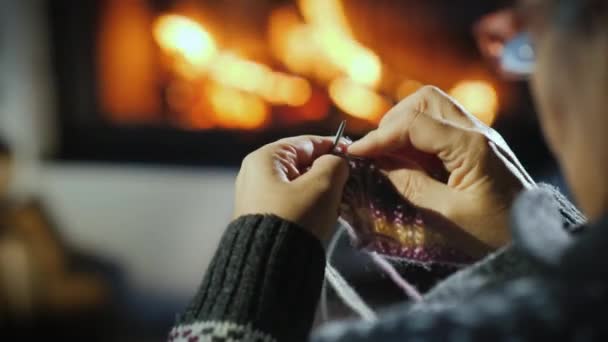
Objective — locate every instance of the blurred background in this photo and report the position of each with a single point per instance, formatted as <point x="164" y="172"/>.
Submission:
<point x="124" y="122"/>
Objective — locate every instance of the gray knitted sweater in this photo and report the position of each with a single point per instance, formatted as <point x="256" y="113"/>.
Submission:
<point x="265" y="280"/>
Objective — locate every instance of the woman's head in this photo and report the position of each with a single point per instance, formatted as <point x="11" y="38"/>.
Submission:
<point x="570" y="85"/>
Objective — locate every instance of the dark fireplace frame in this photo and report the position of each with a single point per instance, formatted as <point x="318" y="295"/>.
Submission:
<point x="83" y="135"/>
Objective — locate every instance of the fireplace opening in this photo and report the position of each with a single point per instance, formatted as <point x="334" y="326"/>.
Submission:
<point x="205" y="82"/>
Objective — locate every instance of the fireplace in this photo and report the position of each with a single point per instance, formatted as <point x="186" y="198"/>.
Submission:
<point x="205" y="82"/>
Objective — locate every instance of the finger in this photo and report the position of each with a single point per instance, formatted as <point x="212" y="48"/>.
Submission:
<point x="393" y="130"/>
<point x="410" y="158"/>
<point x="423" y="133"/>
<point x="303" y="150"/>
<point x="422" y="190"/>
<point x="287" y="158"/>
<point x="376" y="142"/>
<point x="328" y="173"/>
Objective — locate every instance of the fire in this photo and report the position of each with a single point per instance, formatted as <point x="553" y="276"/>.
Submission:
<point x="274" y="87"/>
<point x="323" y="46"/>
<point x="293" y="42"/>
<point x="206" y="85"/>
<point x="333" y="34"/>
<point x="236" y="109"/>
<point x="239" y="89"/>
<point x="479" y="97"/>
<point x="357" y="100"/>
<point x="186" y="40"/>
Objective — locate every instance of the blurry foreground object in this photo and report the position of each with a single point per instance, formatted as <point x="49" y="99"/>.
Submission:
<point x="39" y="284"/>
<point x="501" y="42"/>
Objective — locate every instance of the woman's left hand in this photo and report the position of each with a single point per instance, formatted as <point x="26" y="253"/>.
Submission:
<point x="295" y="179"/>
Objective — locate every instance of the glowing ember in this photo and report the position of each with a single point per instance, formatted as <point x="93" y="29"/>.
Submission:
<point x="274" y="87"/>
<point x="478" y="97"/>
<point x="185" y="39"/>
<point x="236" y="109"/>
<point x="358" y="100"/>
<point x="292" y="41"/>
<point x="334" y="35"/>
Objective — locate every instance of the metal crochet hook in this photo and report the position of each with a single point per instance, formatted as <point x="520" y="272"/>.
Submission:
<point x="339" y="135"/>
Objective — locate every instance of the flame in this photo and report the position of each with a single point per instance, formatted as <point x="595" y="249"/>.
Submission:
<point x="294" y="43"/>
<point x="333" y="34"/>
<point x="479" y="97"/>
<point x="274" y="87"/>
<point x="357" y="100"/>
<point x="236" y="109"/>
<point x="187" y="40"/>
<point x="239" y="89"/>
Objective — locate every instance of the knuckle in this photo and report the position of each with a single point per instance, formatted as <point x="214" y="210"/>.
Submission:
<point x="247" y="160"/>
<point x="410" y="188"/>
<point x="430" y="91"/>
<point x="253" y="157"/>
<point x="478" y="141"/>
<point x="478" y="146"/>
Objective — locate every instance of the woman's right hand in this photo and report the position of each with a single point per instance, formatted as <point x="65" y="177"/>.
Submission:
<point x="480" y="185"/>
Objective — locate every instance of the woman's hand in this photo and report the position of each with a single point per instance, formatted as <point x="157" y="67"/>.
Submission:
<point x="295" y="179"/>
<point x="479" y="187"/>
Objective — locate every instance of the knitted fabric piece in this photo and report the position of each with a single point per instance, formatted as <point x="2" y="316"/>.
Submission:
<point x="380" y="220"/>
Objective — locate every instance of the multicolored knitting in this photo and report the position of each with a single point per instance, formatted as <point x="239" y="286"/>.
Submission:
<point x="379" y="219"/>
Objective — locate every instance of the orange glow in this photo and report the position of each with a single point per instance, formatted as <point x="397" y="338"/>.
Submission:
<point x="357" y="100"/>
<point x="316" y="108"/>
<point x="407" y="88"/>
<point x="274" y="87"/>
<point x="290" y="90"/>
<point x="180" y="95"/>
<point x="333" y="34"/>
<point x="288" y="37"/>
<point x="294" y="43"/>
<point x="478" y="97"/>
<point x="187" y="41"/>
<point x="127" y="80"/>
<point x="235" y="109"/>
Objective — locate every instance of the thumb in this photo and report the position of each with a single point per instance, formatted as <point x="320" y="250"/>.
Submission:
<point x="376" y="142"/>
<point x="329" y="172"/>
<point x="422" y="190"/>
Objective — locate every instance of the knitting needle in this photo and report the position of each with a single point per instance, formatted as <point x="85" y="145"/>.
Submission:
<point x="339" y="134"/>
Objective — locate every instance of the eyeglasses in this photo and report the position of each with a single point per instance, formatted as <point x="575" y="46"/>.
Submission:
<point x="518" y="56"/>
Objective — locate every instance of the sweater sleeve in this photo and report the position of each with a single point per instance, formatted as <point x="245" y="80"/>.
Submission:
<point x="532" y="309"/>
<point x="263" y="284"/>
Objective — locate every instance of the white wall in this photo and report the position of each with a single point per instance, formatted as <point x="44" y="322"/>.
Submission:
<point x="26" y="97"/>
<point x="160" y="225"/>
